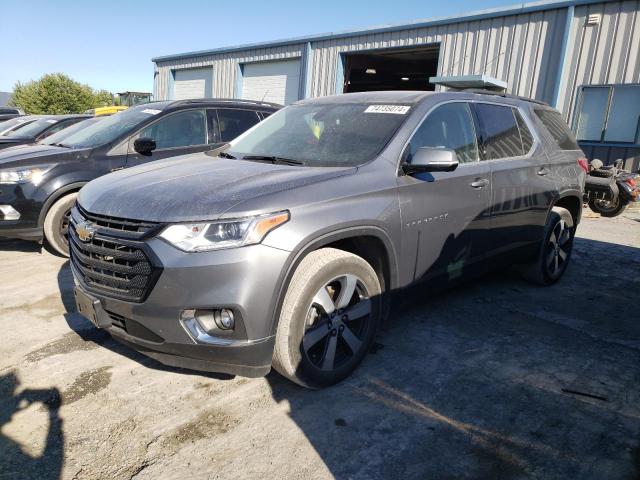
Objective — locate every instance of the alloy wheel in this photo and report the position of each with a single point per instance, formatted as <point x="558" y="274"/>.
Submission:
<point x="558" y="248"/>
<point x="337" y="322"/>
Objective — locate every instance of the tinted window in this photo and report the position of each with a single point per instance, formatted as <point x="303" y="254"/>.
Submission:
<point x="234" y="122"/>
<point x="448" y="126"/>
<point x="7" y="111"/>
<point x="32" y="129"/>
<point x="113" y="127"/>
<point x="500" y="133"/>
<point x="323" y="134"/>
<point x="558" y="129"/>
<point x="178" y="130"/>
<point x="525" y="133"/>
<point x="57" y="128"/>
<point x="59" y="136"/>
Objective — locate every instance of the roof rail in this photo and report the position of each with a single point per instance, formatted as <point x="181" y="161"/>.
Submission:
<point x="227" y="100"/>
<point x="481" y="91"/>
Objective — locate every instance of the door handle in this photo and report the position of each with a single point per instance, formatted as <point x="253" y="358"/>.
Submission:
<point x="543" y="171"/>
<point x="480" y="183"/>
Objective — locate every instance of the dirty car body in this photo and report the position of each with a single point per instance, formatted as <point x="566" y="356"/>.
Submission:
<point x="144" y="273"/>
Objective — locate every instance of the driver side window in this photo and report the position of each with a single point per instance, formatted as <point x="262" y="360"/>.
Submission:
<point x="180" y="129"/>
<point x="448" y="126"/>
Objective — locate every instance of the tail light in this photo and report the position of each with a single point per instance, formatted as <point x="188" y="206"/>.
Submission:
<point x="631" y="182"/>
<point x="583" y="164"/>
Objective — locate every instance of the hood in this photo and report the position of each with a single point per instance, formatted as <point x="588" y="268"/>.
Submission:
<point x="27" y="155"/>
<point x="193" y="187"/>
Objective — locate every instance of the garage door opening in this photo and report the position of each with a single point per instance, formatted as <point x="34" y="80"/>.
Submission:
<point x="404" y="69"/>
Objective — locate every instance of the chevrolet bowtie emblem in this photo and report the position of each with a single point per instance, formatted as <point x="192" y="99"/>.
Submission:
<point x="85" y="231"/>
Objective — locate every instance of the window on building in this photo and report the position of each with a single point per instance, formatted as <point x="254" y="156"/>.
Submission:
<point x="609" y="114"/>
<point x="500" y="133"/>
<point x="448" y="126"/>
<point x="558" y="129"/>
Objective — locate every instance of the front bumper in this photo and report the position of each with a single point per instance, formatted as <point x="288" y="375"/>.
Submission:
<point x="24" y="199"/>
<point x="244" y="279"/>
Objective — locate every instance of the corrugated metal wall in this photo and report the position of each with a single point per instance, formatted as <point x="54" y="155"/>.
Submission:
<point x="605" y="53"/>
<point x="225" y="67"/>
<point x="523" y="49"/>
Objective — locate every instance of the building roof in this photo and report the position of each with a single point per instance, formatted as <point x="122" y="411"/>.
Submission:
<point x="469" y="16"/>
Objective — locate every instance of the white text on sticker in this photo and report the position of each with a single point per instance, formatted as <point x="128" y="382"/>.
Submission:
<point x="151" y="111"/>
<point x="397" y="109"/>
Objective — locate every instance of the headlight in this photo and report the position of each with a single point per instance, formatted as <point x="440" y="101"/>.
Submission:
<point x="33" y="175"/>
<point x="202" y="237"/>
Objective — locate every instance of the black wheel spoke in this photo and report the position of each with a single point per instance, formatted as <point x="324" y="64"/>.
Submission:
<point x="350" y="339"/>
<point x="330" y="353"/>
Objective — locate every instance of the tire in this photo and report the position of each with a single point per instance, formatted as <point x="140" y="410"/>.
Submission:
<point x="608" y="209"/>
<point x="555" y="250"/>
<point x="56" y="224"/>
<point x="317" y="344"/>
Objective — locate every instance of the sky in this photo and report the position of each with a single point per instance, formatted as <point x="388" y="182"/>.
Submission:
<point x="109" y="44"/>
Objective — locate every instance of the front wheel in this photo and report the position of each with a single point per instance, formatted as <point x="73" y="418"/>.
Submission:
<point x="329" y="318"/>
<point x="555" y="250"/>
<point x="608" y="208"/>
<point x="56" y="224"/>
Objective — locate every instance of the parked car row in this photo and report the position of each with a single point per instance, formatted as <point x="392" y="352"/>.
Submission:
<point x="280" y="243"/>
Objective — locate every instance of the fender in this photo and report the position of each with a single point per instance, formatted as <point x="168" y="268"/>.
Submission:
<point x="566" y="194"/>
<point x="56" y="195"/>
<point x="320" y="239"/>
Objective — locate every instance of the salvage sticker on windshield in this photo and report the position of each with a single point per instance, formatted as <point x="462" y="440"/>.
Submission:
<point x="151" y="111"/>
<point x="397" y="109"/>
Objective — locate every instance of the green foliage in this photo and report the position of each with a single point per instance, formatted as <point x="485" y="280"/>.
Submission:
<point x="56" y="93"/>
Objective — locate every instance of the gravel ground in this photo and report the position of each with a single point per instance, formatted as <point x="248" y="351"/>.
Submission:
<point x="496" y="379"/>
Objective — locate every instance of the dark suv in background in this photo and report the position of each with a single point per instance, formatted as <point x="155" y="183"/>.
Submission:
<point x="7" y="113"/>
<point x="39" y="183"/>
<point x="283" y="251"/>
<point x="42" y="127"/>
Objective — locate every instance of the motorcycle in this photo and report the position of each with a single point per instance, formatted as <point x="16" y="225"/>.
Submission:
<point x="609" y="189"/>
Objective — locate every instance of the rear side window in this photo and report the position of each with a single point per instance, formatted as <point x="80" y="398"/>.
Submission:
<point x="525" y="133"/>
<point x="181" y="129"/>
<point x="499" y="131"/>
<point x="234" y="122"/>
<point x="558" y="129"/>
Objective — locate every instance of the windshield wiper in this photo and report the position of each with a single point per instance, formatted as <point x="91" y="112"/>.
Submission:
<point x="226" y="155"/>
<point x="273" y="159"/>
<point x="60" y="145"/>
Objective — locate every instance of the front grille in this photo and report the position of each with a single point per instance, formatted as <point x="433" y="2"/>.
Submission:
<point x="113" y="263"/>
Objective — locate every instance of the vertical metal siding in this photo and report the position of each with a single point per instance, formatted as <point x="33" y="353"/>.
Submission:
<point x="605" y="53"/>
<point x="507" y="47"/>
<point x="224" y="67"/>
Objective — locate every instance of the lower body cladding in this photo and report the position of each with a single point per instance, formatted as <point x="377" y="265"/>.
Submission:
<point x="211" y="311"/>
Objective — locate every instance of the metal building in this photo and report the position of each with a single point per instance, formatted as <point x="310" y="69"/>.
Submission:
<point x="582" y="56"/>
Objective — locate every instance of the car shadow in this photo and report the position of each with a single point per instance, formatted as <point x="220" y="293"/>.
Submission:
<point x="11" y="245"/>
<point x="496" y="379"/>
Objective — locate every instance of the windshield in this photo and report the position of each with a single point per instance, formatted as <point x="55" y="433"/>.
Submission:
<point x="32" y="129"/>
<point x="110" y="128"/>
<point x="13" y="123"/>
<point x="322" y="135"/>
<point x="57" y="137"/>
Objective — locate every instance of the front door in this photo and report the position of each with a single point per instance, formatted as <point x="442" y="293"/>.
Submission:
<point x="445" y="215"/>
<point x="178" y="133"/>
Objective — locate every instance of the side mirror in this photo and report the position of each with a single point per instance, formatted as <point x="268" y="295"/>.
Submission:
<point x="144" y="145"/>
<point x="431" y="159"/>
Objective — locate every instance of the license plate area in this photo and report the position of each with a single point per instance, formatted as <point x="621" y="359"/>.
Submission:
<point x="91" y="308"/>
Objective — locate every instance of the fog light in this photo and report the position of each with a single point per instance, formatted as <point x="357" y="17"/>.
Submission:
<point x="225" y="319"/>
<point x="7" y="212"/>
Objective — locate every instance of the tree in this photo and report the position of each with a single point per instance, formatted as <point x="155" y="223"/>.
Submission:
<point x="56" y="93"/>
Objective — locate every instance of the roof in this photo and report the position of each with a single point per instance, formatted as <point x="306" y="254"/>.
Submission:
<point x="474" y="15"/>
<point x="469" y="81"/>
<point x="229" y="102"/>
<point x="389" y="97"/>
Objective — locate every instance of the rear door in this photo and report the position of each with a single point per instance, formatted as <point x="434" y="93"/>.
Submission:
<point x="177" y="133"/>
<point x="445" y="215"/>
<point x="522" y="185"/>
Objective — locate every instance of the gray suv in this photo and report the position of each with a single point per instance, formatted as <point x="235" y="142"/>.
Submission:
<point x="282" y="249"/>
